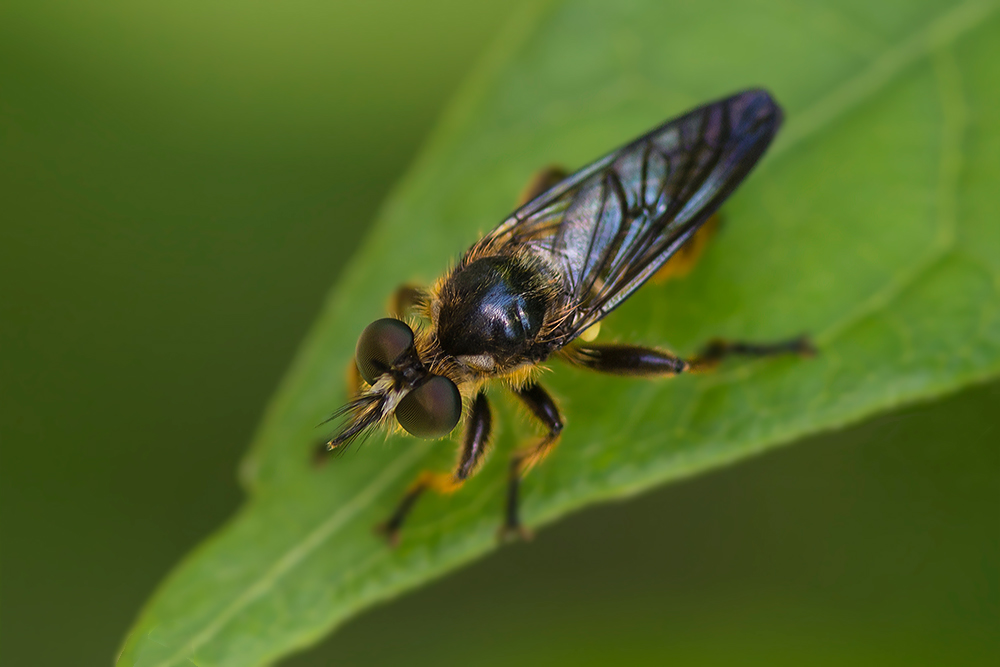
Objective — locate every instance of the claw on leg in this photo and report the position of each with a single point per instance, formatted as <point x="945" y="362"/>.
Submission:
<point x="507" y="534"/>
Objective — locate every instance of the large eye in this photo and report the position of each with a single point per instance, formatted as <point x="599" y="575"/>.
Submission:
<point x="432" y="409"/>
<point x="379" y="345"/>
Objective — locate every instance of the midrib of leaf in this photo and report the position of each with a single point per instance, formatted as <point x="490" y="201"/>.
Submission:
<point x="934" y="38"/>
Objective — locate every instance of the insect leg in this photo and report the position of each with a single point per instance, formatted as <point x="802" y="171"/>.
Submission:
<point x="638" y="361"/>
<point x="718" y="349"/>
<point x="475" y="445"/>
<point x="403" y="300"/>
<point x="544" y="408"/>
<point x="540" y="182"/>
<point x="631" y="360"/>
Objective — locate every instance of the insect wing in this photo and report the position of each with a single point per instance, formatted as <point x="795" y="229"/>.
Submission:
<point x="613" y="224"/>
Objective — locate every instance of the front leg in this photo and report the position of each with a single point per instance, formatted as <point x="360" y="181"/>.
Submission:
<point x="404" y="300"/>
<point x="541" y="405"/>
<point x="475" y="446"/>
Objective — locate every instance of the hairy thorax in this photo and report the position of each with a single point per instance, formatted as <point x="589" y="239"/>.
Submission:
<point x="491" y="313"/>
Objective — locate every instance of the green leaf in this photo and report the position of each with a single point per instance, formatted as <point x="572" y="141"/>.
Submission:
<point x="873" y="224"/>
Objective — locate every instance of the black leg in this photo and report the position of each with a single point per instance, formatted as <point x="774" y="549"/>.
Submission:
<point x="631" y="360"/>
<point x="637" y="361"/>
<point x="544" y="409"/>
<point x="718" y="349"/>
<point x="475" y="446"/>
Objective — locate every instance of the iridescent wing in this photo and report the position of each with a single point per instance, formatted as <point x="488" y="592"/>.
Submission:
<point x="607" y="228"/>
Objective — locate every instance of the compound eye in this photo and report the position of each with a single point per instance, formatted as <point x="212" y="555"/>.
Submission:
<point x="379" y="345"/>
<point x="431" y="410"/>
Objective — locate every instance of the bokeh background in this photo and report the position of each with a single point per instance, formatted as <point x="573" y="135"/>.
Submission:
<point x="179" y="186"/>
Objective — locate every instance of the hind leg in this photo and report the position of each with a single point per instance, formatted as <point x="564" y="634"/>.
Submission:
<point x="544" y="408"/>
<point x="640" y="361"/>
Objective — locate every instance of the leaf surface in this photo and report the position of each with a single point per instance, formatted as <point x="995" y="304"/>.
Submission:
<point x="873" y="224"/>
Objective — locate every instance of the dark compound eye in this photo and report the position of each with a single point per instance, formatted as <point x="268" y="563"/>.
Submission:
<point x="432" y="409"/>
<point x="379" y="345"/>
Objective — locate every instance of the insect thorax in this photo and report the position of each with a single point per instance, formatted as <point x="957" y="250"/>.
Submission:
<point x="492" y="309"/>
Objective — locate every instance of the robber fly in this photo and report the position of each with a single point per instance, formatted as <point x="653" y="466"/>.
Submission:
<point x="539" y="283"/>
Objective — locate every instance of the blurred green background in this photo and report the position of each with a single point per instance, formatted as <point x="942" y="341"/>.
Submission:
<point x="180" y="186"/>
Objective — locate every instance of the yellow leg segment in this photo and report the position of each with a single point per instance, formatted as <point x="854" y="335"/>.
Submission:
<point x="684" y="259"/>
<point x="540" y="182"/>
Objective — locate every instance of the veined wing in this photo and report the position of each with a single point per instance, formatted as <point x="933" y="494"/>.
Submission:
<point x="607" y="228"/>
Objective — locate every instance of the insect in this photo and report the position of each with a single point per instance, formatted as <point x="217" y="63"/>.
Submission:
<point x="540" y="283"/>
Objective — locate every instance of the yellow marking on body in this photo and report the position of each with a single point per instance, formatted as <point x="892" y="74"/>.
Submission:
<point x="534" y="455"/>
<point x="540" y="182"/>
<point x="590" y="333"/>
<point x="687" y="255"/>
<point x="439" y="482"/>
<point x="483" y="363"/>
<point x="522" y="375"/>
